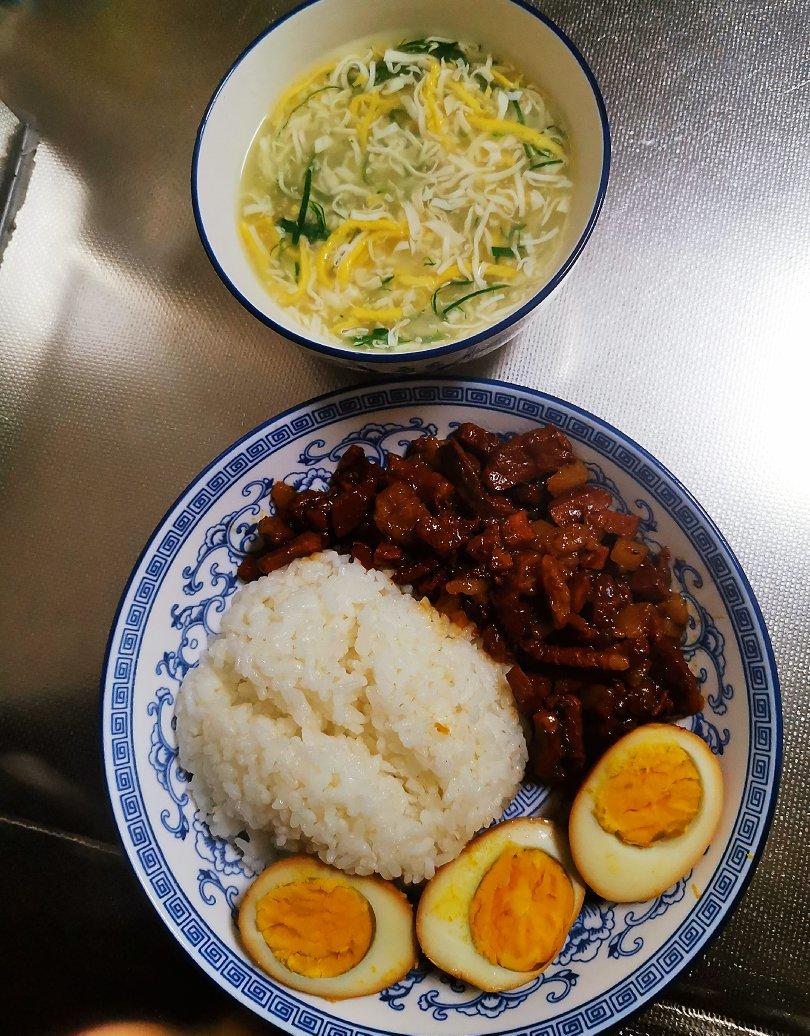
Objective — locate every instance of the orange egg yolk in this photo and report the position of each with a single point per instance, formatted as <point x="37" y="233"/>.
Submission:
<point x="522" y="910"/>
<point x="652" y="792"/>
<point x="315" y="927"/>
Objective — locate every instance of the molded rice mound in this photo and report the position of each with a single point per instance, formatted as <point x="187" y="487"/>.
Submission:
<point x="336" y="714"/>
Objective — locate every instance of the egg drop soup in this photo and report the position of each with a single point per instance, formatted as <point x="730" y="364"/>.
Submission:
<point x="406" y="195"/>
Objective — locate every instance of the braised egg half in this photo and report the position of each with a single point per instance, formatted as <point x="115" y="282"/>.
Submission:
<point x="646" y="813"/>
<point x="498" y="914"/>
<point x="315" y="929"/>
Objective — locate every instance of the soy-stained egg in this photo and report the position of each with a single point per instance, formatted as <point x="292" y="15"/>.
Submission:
<point x="318" y="930"/>
<point x="646" y="813"/>
<point x="498" y="914"/>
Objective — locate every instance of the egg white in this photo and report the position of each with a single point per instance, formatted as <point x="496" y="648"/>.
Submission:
<point x="391" y="955"/>
<point x="442" y="918"/>
<point x="629" y="873"/>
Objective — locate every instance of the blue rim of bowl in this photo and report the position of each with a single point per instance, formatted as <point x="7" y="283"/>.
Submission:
<point x="445" y="350"/>
<point x="613" y="430"/>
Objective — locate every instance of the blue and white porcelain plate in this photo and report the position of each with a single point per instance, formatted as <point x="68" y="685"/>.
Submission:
<point x="617" y="957"/>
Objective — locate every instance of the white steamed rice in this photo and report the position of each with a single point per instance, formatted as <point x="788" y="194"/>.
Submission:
<point x="311" y="723"/>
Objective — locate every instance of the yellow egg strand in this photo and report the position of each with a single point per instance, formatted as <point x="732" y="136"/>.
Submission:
<point x="384" y="225"/>
<point x="499" y="77"/>
<point x="375" y="105"/>
<point x="542" y="141"/>
<point x="433" y="116"/>
<point x="468" y="98"/>
<point x="280" y="109"/>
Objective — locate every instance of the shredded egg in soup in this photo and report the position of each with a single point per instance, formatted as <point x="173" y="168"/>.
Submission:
<point x="499" y="914"/>
<point x="646" y="813"/>
<point x="316" y="929"/>
<point x="405" y="196"/>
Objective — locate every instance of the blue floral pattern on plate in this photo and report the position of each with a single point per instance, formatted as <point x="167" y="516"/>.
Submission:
<point x="615" y="957"/>
<point x="553" y="986"/>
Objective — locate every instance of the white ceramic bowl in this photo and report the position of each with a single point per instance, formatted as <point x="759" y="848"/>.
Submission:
<point x="320" y="28"/>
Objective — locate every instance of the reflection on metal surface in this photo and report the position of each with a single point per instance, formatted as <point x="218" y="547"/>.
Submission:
<point x="225" y="1028"/>
<point x="19" y="142"/>
<point x="126" y="365"/>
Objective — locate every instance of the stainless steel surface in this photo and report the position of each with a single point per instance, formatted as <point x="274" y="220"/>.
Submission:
<point x="18" y="144"/>
<point x="126" y="366"/>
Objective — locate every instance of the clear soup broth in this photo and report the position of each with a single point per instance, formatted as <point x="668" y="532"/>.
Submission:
<point x="406" y="195"/>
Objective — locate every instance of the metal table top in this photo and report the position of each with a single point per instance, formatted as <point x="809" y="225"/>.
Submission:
<point x="126" y="366"/>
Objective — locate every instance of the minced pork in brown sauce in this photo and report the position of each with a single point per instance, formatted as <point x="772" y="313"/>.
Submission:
<point x="510" y="537"/>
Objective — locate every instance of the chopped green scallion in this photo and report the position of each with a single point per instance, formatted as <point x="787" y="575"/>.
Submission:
<point x="521" y="118"/>
<point x="302" y="212"/>
<point x="377" y="336"/>
<point x="435" y="299"/>
<point x="472" y="295"/>
<point x="440" y="49"/>
<point x="302" y="103"/>
<point x="300" y="227"/>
